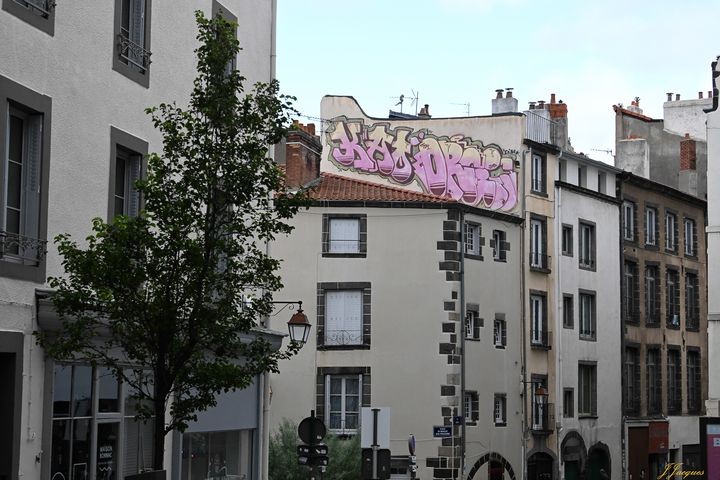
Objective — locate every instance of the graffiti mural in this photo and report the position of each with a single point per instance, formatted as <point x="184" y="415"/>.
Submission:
<point x="455" y="167"/>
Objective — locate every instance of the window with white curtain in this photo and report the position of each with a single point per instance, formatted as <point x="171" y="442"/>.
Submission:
<point x="343" y="399"/>
<point x="343" y="317"/>
<point x="344" y="235"/>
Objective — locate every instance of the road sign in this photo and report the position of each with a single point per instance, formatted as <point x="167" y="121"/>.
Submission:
<point x="367" y="423"/>
<point x="303" y="450"/>
<point x="383" y="465"/>
<point x="457" y="420"/>
<point x="316" y="455"/>
<point x="442" y="431"/>
<point x="411" y="444"/>
<point x="311" y="430"/>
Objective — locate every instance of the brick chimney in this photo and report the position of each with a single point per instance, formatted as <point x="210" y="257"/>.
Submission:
<point x="688" y="155"/>
<point x="688" y="177"/>
<point x="557" y="110"/>
<point x="302" y="155"/>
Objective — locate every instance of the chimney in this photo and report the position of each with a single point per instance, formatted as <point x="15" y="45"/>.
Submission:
<point x="709" y="93"/>
<point x="700" y="95"/>
<point x="557" y="110"/>
<point x="677" y="97"/>
<point x="669" y="94"/>
<point x="509" y="104"/>
<point x="532" y="106"/>
<point x="688" y="155"/>
<point x="425" y="112"/>
<point x="302" y="155"/>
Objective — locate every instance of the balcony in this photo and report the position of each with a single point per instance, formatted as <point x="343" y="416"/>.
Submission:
<point x="342" y="339"/>
<point x="543" y="418"/>
<point x="541" y="339"/>
<point x="132" y="53"/>
<point x="540" y="262"/>
<point x="42" y="7"/>
<point x="539" y="128"/>
<point x="20" y="249"/>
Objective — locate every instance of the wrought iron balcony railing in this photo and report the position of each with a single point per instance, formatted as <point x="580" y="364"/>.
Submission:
<point x="343" y="337"/>
<point x="42" y="7"/>
<point x="21" y="249"/>
<point x="541" y="339"/>
<point x="543" y="418"/>
<point x="539" y="261"/>
<point x="131" y="52"/>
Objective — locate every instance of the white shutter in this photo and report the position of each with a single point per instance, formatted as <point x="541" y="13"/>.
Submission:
<point x="31" y="182"/>
<point x="343" y="317"/>
<point x="344" y="235"/>
<point x="132" y="195"/>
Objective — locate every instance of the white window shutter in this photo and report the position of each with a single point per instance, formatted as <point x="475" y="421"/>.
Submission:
<point x="33" y="167"/>
<point x="334" y="310"/>
<point x="133" y="196"/>
<point x="353" y="316"/>
<point x="344" y="235"/>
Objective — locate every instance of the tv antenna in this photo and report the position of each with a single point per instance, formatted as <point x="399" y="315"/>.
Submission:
<point x="607" y="151"/>
<point x="414" y="99"/>
<point x="467" y="107"/>
<point x="400" y="100"/>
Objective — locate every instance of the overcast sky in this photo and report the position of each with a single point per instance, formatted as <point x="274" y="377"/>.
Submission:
<point x="592" y="55"/>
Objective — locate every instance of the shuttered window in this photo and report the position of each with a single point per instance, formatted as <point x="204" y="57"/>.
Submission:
<point x="343" y="317"/>
<point x="500" y="333"/>
<point x="587" y="316"/>
<point x="344" y="235"/>
<point x="587" y="390"/>
<point x="126" y="198"/>
<point x="500" y="409"/>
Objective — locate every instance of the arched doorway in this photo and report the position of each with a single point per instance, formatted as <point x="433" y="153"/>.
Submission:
<point x="598" y="459"/>
<point x="540" y="466"/>
<point x="573" y="455"/>
<point x="498" y="467"/>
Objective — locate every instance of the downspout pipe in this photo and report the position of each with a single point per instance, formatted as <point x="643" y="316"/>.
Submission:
<point x="621" y="257"/>
<point x="523" y="299"/>
<point x="463" y="359"/>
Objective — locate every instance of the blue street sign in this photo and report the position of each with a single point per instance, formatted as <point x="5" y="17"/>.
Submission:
<point x="442" y="431"/>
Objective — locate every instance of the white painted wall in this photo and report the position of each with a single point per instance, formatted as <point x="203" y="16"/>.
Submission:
<point x="570" y="207"/>
<point x="74" y="68"/>
<point x="686" y="116"/>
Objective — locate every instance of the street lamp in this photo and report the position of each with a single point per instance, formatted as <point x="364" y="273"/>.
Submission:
<point x="298" y="326"/>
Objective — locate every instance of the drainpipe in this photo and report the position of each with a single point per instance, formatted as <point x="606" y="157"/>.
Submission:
<point x="623" y="418"/>
<point x="558" y="317"/>
<point x="463" y="360"/>
<point x="523" y="355"/>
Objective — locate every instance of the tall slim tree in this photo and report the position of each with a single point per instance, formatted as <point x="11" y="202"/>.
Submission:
<point x="158" y="297"/>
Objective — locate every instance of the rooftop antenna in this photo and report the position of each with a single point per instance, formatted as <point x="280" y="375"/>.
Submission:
<point x="607" y="151"/>
<point x="400" y="99"/>
<point x="414" y="100"/>
<point x="467" y="107"/>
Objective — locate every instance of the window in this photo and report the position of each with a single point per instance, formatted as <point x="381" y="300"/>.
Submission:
<point x="500" y="333"/>
<point x="628" y="209"/>
<point x="652" y="295"/>
<point x="651" y="226"/>
<point x="567" y="240"/>
<point x="601" y="182"/>
<point x="219" y="10"/>
<point x="226" y="455"/>
<point x="132" y="34"/>
<point x="568" y="403"/>
<point x="582" y="176"/>
<point x="694" y="394"/>
<point x="343" y="317"/>
<point x="538" y="244"/>
<point x="587" y="390"/>
<point x="500" y="246"/>
<point x="672" y="298"/>
<point x="670" y="231"/>
<point x="587" y="315"/>
<point x="472" y="325"/>
<point x="500" y="409"/>
<point x="472" y="239"/>
<point x="692" y="301"/>
<point x="690" y="237"/>
<point x="587" y="245"/>
<point x="632" y="381"/>
<point x="471" y="407"/>
<point x="538" y="312"/>
<point x="631" y="292"/>
<point x="343" y="395"/>
<point x="654" y="381"/>
<point x="562" y="165"/>
<point x="25" y="151"/>
<point x="344" y="235"/>
<point x="89" y="405"/>
<point x="540" y="407"/>
<point x="568" y="311"/>
<point x="38" y="13"/>
<point x="538" y="173"/>
<point x="126" y="167"/>
<point x="674" y="379"/>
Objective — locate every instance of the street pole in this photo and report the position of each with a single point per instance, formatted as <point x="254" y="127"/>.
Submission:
<point x="312" y="437"/>
<point x="375" y="445"/>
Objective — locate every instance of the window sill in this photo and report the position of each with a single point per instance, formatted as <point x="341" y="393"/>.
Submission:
<point x="472" y="339"/>
<point x="589" y="268"/>
<point x="473" y="256"/>
<point x="568" y="254"/>
<point x="501" y="260"/>
<point x="588" y="338"/>
<point x="652" y="324"/>
<point x="32" y="273"/>
<point x="691" y="256"/>
<point x="343" y="347"/>
<point x="587" y="417"/>
<point x="472" y="423"/>
<point x="540" y="346"/>
<point x="692" y="329"/>
<point x="142" y="79"/>
<point x="650" y="246"/>
<point x="500" y="347"/>
<point x="671" y="326"/>
<point x="503" y="424"/>
<point x="540" y="269"/>
<point x="27" y="15"/>
<point x="344" y="255"/>
<point x="539" y="193"/>
<point x="671" y="251"/>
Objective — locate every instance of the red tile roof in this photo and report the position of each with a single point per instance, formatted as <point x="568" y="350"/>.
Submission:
<point x="336" y="187"/>
<point x="629" y="113"/>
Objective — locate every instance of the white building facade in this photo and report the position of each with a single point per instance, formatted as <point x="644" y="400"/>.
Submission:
<point x="74" y="83"/>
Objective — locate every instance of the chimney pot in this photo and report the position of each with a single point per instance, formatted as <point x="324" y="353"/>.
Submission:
<point x="709" y="93"/>
<point x="677" y="97"/>
<point x="700" y="95"/>
<point x="532" y="105"/>
<point x="552" y="98"/>
<point x="310" y="128"/>
<point x="669" y="94"/>
<point x="509" y="93"/>
<point x="541" y="104"/>
<point x="498" y="93"/>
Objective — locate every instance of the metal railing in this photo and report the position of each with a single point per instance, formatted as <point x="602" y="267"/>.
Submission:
<point x="343" y="337"/>
<point x="539" y="260"/>
<point x="131" y="52"/>
<point x="540" y="129"/>
<point x="43" y="7"/>
<point x="540" y="339"/>
<point x="543" y="417"/>
<point x="21" y="249"/>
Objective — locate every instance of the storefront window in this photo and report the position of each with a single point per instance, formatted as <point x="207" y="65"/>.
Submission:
<point x="216" y="455"/>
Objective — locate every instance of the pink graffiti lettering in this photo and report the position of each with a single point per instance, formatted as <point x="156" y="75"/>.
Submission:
<point x="454" y="167"/>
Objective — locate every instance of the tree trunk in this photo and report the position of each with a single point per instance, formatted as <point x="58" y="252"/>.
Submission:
<point x="159" y="430"/>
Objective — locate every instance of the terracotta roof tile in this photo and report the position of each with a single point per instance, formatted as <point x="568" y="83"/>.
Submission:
<point x="336" y="187"/>
<point x="629" y="113"/>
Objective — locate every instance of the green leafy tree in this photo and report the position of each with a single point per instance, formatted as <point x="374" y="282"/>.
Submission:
<point x="158" y="297"/>
<point x="343" y="454"/>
